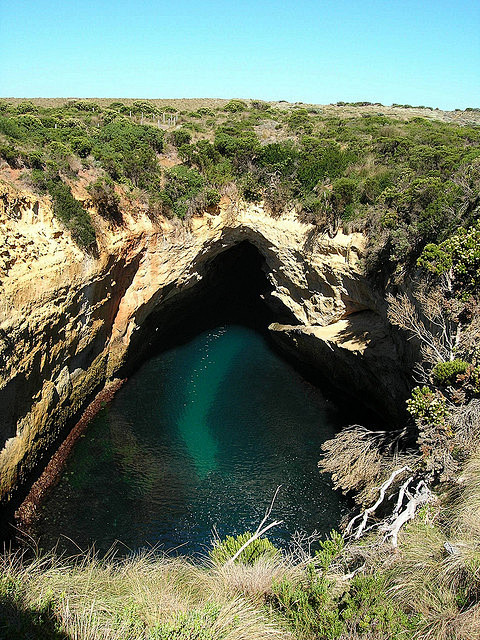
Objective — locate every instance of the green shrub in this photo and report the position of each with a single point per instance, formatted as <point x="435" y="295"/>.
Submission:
<point x="82" y="146"/>
<point x="250" y="188"/>
<point x="181" y="186"/>
<point x="26" y="107"/>
<point x="180" y="137"/>
<point x="367" y="606"/>
<point x="300" y="121"/>
<point x="10" y="128"/>
<point x="308" y="606"/>
<point x="237" y="142"/>
<point x="279" y="156"/>
<point x="461" y="254"/>
<point x="234" y="106"/>
<point x="35" y="160"/>
<point x="319" y="159"/>
<point x="212" y="197"/>
<point x="83" y="105"/>
<point x="445" y="373"/>
<point x="11" y="155"/>
<point x="316" y="610"/>
<point x="427" y="406"/>
<point x="329" y="550"/>
<point x="71" y="213"/>
<point x="227" y="548"/>
<point x="343" y="190"/>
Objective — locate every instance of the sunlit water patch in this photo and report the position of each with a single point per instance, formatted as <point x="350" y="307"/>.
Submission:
<point x="199" y="438"/>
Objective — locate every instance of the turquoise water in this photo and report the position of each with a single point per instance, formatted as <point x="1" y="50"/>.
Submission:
<point x="199" y="438"/>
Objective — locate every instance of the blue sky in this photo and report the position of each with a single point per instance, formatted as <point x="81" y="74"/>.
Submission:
<point x="416" y="52"/>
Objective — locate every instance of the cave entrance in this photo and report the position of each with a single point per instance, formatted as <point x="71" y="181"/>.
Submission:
<point x="234" y="289"/>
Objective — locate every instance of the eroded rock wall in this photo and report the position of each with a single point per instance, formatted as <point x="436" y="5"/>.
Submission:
<point x="68" y="320"/>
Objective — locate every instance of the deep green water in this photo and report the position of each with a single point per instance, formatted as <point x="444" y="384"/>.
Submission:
<point x="199" y="437"/>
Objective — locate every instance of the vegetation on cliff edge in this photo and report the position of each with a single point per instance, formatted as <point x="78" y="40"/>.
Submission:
<point x="406" y="182"/>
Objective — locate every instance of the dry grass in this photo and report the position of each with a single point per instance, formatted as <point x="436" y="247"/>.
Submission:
<point x="437" y="572"/>
<point x="93" y="599"/>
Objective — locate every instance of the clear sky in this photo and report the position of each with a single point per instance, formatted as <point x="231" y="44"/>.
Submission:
<point x="420" y="52"/>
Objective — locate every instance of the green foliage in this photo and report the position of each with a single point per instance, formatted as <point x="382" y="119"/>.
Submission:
<point x="250" y="187"/>
<point x="459" y="253"/>
<point x="26" y="107"/>
<point x="122" y="136"/>
<point x="181" y="186"/>
<point x="227" y="548"/>
<point x="212" y="197"/>
<point x="445" y="373"/>
<point x="412" y="184"/>
<point x="180" y="137"/>
<point x="260" y="105"/>
<point x="83" y="105"/>
<point x="319" y="159"/>
<point x="308" y="606"/>
<point x="329" y="550"/>
<point x="281" y="157"/>
<point x="367" y="607"/>
<point x="343" y="191"/>
<point x="314" y="609"/>
<point x="192" y="625"/>
<point x="82" y="146"/>
<point x="11" y="155"/>
<point x="10" y="128"/>
<point x="300" y="121"/>
<point x="71" y="213"/>
<point x="237" y="142"/>
<point x="427" y="406"/>
<point x="435" y="436"/>
<point x="234" y="106"/>
<point x="104" y="198"/>
<point x="19" y="620"/>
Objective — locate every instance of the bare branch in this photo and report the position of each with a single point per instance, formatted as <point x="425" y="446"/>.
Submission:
<point x="372" y="509"/>
<point x="259" y="531"/>
<point x="422" y="496"/>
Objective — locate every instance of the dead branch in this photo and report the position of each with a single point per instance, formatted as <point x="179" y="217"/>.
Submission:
<point x="401" y="495"/>
<point x="403" y="314"/>
<point x="373" y="508"/>
<point x="421" y="496"/>
<point x="260" y="529"/>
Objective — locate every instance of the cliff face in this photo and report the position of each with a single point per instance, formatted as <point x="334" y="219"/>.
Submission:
<point x="69" y="322"/>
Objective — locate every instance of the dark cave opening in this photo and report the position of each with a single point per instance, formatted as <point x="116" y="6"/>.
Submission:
<point x="234" y="289"/>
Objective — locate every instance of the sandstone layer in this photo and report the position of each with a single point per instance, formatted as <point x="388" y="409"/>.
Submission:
<point x="69" y="322"/>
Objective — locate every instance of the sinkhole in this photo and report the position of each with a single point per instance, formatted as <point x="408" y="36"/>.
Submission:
<point x="210" y="422"/>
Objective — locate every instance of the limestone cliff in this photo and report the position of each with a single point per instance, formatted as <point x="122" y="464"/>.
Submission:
<point x="68" y="320"/>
